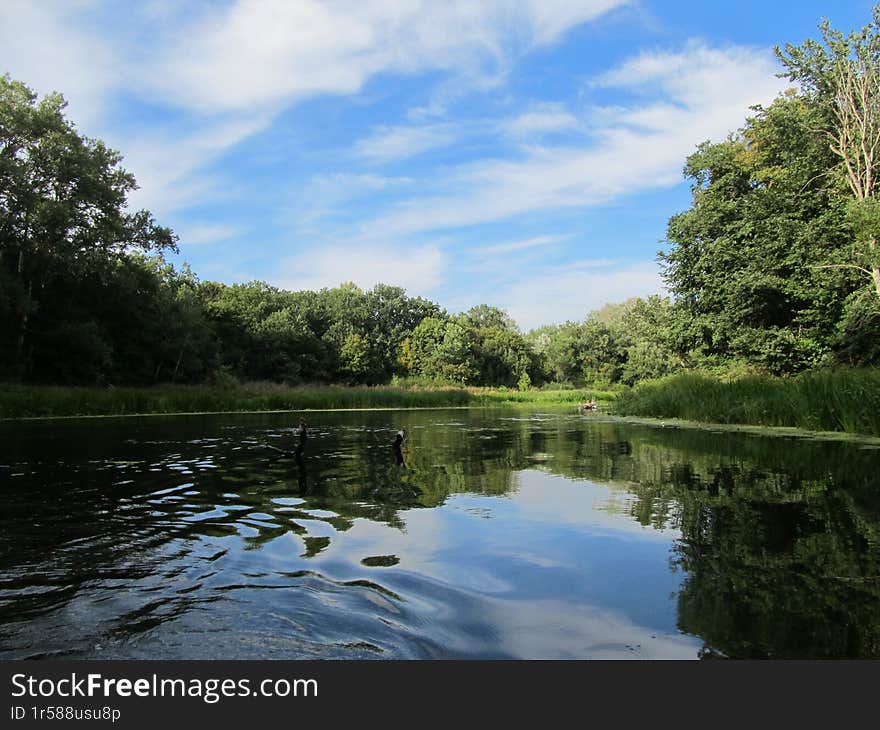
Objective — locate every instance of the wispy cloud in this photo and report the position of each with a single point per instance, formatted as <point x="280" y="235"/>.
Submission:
<point x="418" y="269"/>
<point x="51" y="49"/>
<point x="202" y="233"/>
<point x="205" y="64"/>
<point x="288" y="49"/>
<point x="557" y="294"/>
<point x="311" y="207"/>
<point x="523" y="245"/>
<point x="681" y="98"/>
<point x="551" y="18"/>
<point x="542" y="119"/>
<point x="390" y="144"/>
<point x="674" y="101"/>
<point x="168" y="161"/>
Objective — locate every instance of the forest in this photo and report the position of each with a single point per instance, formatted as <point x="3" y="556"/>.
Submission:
<point x="774" y="270"/>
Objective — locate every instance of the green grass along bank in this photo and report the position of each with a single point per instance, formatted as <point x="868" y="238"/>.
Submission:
<point x="844" y="399"/>
<point x="28" y="401"/>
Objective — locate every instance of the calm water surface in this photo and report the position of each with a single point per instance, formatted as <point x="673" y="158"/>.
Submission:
<point x="504" y="534"/>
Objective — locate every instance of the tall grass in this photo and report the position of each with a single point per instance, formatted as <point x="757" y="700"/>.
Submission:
<point x="827" y="400"/>
<point x="18" y="401"/>
<point x="492" y="396"/>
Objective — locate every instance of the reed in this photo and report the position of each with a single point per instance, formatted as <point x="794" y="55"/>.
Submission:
<point x="25" y="401"/>
<point x="843" y="399"/>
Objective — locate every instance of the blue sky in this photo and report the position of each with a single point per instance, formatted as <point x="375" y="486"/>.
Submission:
<point x="521" y="153"/>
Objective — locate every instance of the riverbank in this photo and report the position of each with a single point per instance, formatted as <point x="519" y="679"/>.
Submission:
<point x="846" y="400"/>
<point x="25" y="401"/>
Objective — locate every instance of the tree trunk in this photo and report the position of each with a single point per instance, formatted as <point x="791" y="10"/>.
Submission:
<point x="23" y="322"/>
<point x="177" y="365"/>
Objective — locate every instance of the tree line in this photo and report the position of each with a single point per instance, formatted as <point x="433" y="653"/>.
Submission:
<point x="774" y="268"/>
<point x="88" y="297"/>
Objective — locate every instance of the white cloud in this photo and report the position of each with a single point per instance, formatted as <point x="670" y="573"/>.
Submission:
<point x="522" y="245"/>
<point x="417" y="269"/>
<point x="199" y="233"/>
<point x="247" y="60"/>
<point x="46" y="47"/>
<point x="266" y="51"/>
<point x="682" y="99"/>
<point x="325" y="196"/>
<point x="543" y="119"/>
<point x="390" y="144"/>
<point x="569" y="293"/>
<point x="701" y="78"/>
<point x="167" y="161"/>
<point x="552" y="18"/>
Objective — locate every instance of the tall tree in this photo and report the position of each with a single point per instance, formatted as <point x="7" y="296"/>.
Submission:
<point x="62" y="210"/>
<point x="759" y="264"/>
<point x="842" y="73"/>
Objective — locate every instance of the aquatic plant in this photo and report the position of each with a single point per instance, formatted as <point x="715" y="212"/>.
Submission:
<point x="823" y="400"/>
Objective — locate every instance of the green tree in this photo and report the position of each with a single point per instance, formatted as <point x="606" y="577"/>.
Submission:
<point x="756" y="264"/>
<point x="455" y="354"/>
<point x="558" y="348"/>
<point x="841" y="75"/>
<point x="443" y="349"/>
<point x="501" y="354"/>
<point x="601" y="353"/>
<point x="355" y="357"/>
<point x="645" y="331"/>
<point x="484" y="316"/>
<point x="171" y="339"/>
<point x="266" y="334"/>
<point x="391" y="318"/>
<point x="424" y="347"/>
<point x="62" y="215"/>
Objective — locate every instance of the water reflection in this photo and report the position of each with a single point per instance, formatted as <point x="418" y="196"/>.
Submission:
<point x="479" y="534"/>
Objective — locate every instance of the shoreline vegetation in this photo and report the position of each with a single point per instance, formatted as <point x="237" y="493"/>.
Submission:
<point x="833" y="401"/>
<point x="51" y="401"/>
<point x="841" y="400"/>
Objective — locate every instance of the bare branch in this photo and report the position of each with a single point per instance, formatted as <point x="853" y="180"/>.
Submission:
<point x="844" y="266"/>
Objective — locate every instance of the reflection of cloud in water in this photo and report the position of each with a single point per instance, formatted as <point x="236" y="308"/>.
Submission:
<point x="416" y="544"/>
<point x="500" y="562"/>
<point x="542" y="497"/>
<point x="549" y="629"/>
<point x="277" y="560"/>
<point x="423" y="548"/>
<point x="476" y="542"/>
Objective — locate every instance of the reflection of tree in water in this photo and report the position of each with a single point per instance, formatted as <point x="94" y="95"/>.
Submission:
<point x="780" y="538"/>
<point x="785" y="572"/>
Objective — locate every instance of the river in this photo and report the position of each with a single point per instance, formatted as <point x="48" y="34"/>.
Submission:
<point x="492" y="534"/>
